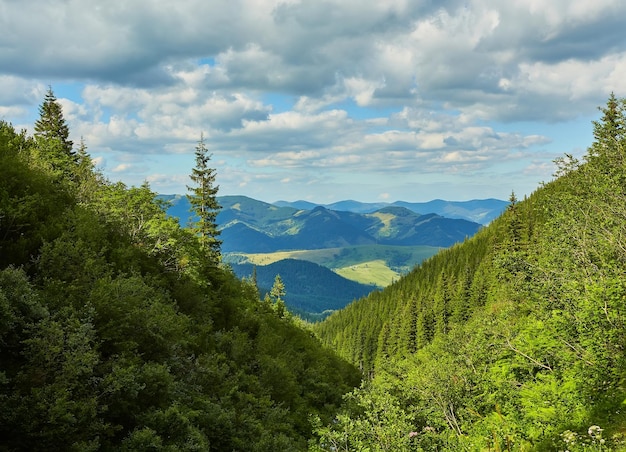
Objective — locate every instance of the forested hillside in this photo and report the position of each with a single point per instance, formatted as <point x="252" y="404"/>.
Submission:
<point x="512" y="340"/>
<point x="310" y="288"/>
<point x="120" y="331"/>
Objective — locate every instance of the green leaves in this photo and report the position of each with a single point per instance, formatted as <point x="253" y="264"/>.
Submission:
<point x="515" y="339"/>
<point x="117" y="332"/>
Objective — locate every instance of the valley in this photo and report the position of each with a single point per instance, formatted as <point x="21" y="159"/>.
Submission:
<point x="377" y="265"/>
<point x="371" y="245"/>
<point x="122" y="329"/>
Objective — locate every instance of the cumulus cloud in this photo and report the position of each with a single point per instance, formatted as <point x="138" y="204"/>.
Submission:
<point x="396" y="86"/>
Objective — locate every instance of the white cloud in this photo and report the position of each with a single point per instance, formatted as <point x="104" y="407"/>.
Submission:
<point x="122" y="167"/>
<point x="397" y="86"/>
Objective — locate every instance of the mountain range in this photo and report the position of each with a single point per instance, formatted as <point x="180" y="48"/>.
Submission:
<point x="252" y="226"/>
<point x="481" y="211"/>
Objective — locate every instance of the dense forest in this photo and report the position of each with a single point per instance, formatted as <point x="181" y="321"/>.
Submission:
<point x="312" y="291"/>
<point x="120" y="330"/>
<point x="512" y="340"/>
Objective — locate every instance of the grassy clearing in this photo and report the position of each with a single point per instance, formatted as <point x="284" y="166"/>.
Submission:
<point x="373" y="272"/>
<point x="321" y="257"/>
<point x="380" y="264"/>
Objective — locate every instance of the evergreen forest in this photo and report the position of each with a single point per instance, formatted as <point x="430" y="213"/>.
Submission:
<point x="513" y="340"/>
<point x="122" y="330"/>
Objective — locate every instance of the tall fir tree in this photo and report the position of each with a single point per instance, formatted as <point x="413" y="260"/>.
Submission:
<point x="608" y="151"/>
<point x="204" y="204"/>
<point x="52" y="135"/>
<point x="276" y="296"/>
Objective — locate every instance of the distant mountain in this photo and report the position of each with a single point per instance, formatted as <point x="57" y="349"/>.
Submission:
<point x="300" y="205"/>
<point x="481" y="211"/>
<point x="256" y="241"/>
<point x="179" y="207"/>
<point x="253" y="226"/>
<point x="311" y="288"/>
<point x="356" y="206"/>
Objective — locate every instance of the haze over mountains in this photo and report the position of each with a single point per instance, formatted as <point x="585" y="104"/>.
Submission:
<point x="481" y="211"/>
<point x="254" y="226"/>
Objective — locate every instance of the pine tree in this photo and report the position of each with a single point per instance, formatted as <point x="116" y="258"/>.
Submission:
<point x="611" y="128"/>
<point x="52" y="135"/>
<point x="607" y="154"/>
<point x="204" y="204"/>
<point x="86" y="178"/>
<point x="277" y="292"/>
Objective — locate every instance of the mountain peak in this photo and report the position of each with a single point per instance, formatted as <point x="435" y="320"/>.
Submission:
<point x="398" y="211"/>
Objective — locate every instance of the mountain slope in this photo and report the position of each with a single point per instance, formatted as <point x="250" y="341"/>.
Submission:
<point x="401" y="226"/>
<point x="481" y="211"/>
<point x="512" y="340"/>
<point x="252" y="226"/>
<point x="311" y="288"/>
<point x="116" y="334"/>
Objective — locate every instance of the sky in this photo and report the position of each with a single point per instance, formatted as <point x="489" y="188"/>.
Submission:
<point x="320" y="100"/>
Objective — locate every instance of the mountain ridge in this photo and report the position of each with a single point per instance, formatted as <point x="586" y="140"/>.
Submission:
<point x="313" y="290"/>
<point x="481" y="211"/>
<point x="249" y="225"/>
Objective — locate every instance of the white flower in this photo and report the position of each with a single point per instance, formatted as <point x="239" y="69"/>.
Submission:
<point x="569" y="436"/>
<point x="594" y="431"/>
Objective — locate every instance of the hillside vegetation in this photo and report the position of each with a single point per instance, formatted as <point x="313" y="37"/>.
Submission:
<point x="393" y="260"/>
<point x="321" y="281"/>
<point x="512" y="340"/>
<point x="312" y="291"/>
<point x="374" y="272"/>
<point x="118" y="332"/>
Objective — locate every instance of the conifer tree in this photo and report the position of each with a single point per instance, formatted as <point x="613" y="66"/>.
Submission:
<point x="275" y="296"/>
<point x="52" y="135"/>
<point x="85" y="176"/>
<point x="204" y="204"/>
<point x="611" y="128"/>
<point x="607" y="154"/>
<point x="514" y="235"/>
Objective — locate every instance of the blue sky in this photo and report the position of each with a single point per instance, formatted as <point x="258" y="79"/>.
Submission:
<point x="320" y="100"/>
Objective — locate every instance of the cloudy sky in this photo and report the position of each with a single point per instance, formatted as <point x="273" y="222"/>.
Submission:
<point x="320" y="100"/>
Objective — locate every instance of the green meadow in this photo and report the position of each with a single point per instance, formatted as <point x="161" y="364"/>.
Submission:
<point x="367" y="264"/>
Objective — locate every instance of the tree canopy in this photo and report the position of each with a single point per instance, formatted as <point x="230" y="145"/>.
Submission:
<point x="119" y="332"/>
<point x="512" y="340"/>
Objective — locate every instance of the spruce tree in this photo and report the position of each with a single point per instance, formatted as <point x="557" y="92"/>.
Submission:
<point x="52" y="135"/>
<point x="608" y="151"/>
<point x="204" y="204"/>
<point x="276" y="296"/>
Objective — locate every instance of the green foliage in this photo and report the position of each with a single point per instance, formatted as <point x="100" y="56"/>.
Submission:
<point x="375" y="421"/>
<point x="54" y="148"/>
<point x="513" y="340"/>
<point x="51" y="124"/>
<point x="276" y="296"/>
<point x="117" y="334"/>
<point x="204" y="204"/>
